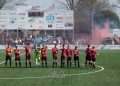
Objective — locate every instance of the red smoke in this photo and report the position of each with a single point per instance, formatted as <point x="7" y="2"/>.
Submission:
<point x="98" y="34"/>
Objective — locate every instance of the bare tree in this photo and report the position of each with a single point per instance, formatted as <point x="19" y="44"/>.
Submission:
<point x="84" y="11"/>
<point x="70" y="4"/>
<point x="11" y="4"/>
<point x="75" y="5"/>
<point x="2" y="3"/>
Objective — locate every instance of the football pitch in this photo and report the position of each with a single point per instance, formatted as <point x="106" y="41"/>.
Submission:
<point x="107" y="72"/>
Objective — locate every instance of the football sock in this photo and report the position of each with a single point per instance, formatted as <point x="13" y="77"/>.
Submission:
<point x="78" y="64"/>
<point x="6" y="63"/>
<point x="53" y="63"/>
<point x="56" y="64"/>
<point x="26" y="64"/>
<point x="46" y="64"/>
<point x="42" y="63"/>
<point x="63" y="63"/>
<point x="67" y="63"/>
<point x="70" y="64"/>
<point x="10" y="63"/>
<point x="75" y="63"/>
<point x="20" y="64"/>
<point x="85" y="63"/>
<point x="30" y="63"/>
<point x="16" y="64"/>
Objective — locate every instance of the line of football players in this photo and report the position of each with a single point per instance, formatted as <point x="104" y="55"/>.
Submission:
<point x="41" y="56"/>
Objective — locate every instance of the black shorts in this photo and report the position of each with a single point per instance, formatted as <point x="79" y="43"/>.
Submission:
<point x="76" y="58"/>
<point x="17" y="59"/>
<point x="55" y="57"/>
<point x="28" y="57"/>
<point x="43" y="58"/>
<point x="62" y="57"/>
<point x="8" y="57"/>
<point x="93" y="60"/>
<point x="88" y="58"/>
<point x="69" y="58"/>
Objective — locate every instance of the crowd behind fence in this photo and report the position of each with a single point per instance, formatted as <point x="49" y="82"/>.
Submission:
<point x="12" y="37"/>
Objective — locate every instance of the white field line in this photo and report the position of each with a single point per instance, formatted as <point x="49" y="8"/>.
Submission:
<point x="12" y="59"/>
<point x="66" y="75"/>
<point x="102" y="68"/>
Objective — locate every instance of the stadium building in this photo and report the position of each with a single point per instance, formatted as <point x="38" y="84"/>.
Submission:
<point x="30" y="23"/>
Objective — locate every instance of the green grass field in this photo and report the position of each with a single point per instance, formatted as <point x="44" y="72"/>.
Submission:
<point x="110" y="76"/>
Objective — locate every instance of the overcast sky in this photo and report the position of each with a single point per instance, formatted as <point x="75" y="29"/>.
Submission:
<point x="41" y="3"/>
<point x="47" y="3"/>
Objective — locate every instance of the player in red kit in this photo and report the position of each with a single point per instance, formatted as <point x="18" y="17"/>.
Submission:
<point x="69" y="56"/>
<point x="44" y="55"/>
<point x="88" y="56"/>
<point x="76" y="56"/>
<point x="54" y="53"/>
<point x="93" y="55"/>
<point x="17" y="56"/>
<point x="63" y="55"/>
<point x="28" y="54"/>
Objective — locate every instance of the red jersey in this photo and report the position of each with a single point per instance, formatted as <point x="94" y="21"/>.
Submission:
<point x="54" y="50"/>
<point x="27" y="50"/>
<point x="44" y="52"/>
<point x="76" y="52"/>
<point x="63" y="53"/>
<point x="17" y="53"/>
<point x="93" y="53"/>
<point x="88" y="51"/>
<point x="69" y="52"/>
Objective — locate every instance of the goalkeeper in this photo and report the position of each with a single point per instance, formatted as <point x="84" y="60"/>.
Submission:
<point x="37" y="56"/>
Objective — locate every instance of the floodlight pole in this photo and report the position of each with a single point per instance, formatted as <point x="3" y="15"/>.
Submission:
<point x="7" y="32"/>
<point x="26" y="32"/>
<point x="92" y="23"/>
<point x="7" y="36"/>
<point x="17" y="32"/>
<point x="73" y="35"/>
<point x="54" y="35"/>
<point x="45" y="33"/>
<point x="73" y="27"/>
